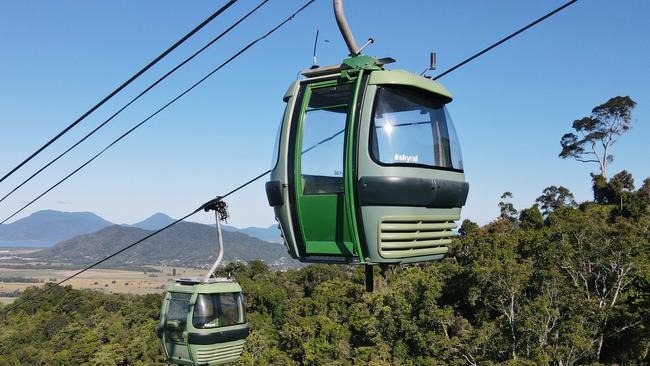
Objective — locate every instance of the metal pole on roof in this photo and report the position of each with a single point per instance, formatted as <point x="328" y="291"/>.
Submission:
<point x="339" y="13"/>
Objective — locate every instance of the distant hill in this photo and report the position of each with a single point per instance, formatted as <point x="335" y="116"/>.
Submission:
<point x="48" y="227"/>
<point x="185" y="244"/>
<point x="154" y="222"/>
<point x="160" y="220"/>
<point x="51" y="226"/>
<point x="270" y="234"/>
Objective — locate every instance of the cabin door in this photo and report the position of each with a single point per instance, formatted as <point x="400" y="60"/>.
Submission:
<point x="175" y="327"/>
<point x="319" y="168"/>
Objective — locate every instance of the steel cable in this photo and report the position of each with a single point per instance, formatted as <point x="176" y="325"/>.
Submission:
<point x="251" y="44"/>
<point x="209" y="203"/>
<point x="505" y="39"/>
<point x="135" y="99"/>
<point x="119" y="88"/>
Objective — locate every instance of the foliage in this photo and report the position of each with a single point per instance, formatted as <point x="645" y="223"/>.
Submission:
<point x="506" y="208"/>
<point x="619" y="191"/>
<point x="467" y="227"/>
<point x="597" y="133"/>
<point x="569" y="288"/>
<point x="74" y="327"/>
<point x="554" y="198"/>
<point x="531" y="218"/>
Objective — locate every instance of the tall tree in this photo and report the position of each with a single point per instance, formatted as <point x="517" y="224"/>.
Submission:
<point x="595" y="135"/>
<point x="622" y="181"/>
<point x="506" y="208"/>
<point x="644" y="191"/>
<point x="467" y="227"/>
<point x="612" y="192"/>
<point x="531" y="218"/>
<point x="555" y="197"/>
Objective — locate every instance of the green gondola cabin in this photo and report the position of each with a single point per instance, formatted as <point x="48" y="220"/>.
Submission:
<point x="203" y="322"/>
<point x="367" y="166"/>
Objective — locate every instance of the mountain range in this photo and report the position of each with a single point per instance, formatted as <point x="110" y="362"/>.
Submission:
<point x="270" y="234"/>
<point x="184" y="244"/>
<point x="49" y="227"/>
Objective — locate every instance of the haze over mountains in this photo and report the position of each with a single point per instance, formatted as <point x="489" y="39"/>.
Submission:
<point x="48" y="227"/>
<point x="154" y="222"/>
<point x="159" y="220"/>
<point x="185" y="244"/>
<point x="84" y="237"/>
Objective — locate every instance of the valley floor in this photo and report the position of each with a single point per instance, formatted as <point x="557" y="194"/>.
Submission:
<point x="104" y="280"/>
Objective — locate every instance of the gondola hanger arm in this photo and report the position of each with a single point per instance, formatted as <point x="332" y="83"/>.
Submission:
<point x="348" y="37"/>
<point x="220" y="209"/>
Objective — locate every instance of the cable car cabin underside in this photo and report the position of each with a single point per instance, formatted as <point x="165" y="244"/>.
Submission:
<point x="367" y="166"/>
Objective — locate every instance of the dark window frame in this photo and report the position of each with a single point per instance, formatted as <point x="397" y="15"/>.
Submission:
<point x="303" y="113"/>
<point x="240" y="306"/>
<point x="371" y="137"/>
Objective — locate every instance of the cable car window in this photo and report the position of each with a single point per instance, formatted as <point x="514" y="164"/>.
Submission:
<point x="218" y="310"/>
<point x="323" y="139"/>
<point x="176" y="319"/>
<point x="410" y="127"/>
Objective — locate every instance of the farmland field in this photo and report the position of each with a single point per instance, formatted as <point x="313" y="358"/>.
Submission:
<point x="105" y="280"/>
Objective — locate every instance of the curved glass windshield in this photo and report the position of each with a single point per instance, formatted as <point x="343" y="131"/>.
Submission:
<point x="413" y="128"/>
<point x="218" y="310"/>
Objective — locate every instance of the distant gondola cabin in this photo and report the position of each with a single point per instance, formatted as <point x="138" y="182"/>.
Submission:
<point x="203" y="323"/>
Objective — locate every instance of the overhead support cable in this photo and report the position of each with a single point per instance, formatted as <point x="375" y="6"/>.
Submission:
<point x="505" y="39"/>
<point x="133" y="100"/>
<point x="251" y="44"/>
<point x="211" y="203"/>
<point x="119" y="88"/>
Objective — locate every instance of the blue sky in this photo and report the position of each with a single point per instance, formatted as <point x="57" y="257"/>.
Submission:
<point x="511" y="106"/>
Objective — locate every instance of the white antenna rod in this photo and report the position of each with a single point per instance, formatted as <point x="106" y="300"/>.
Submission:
<point x="314" y="63"/>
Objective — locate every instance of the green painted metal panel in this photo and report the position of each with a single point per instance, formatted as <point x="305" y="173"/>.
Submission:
<point x="217" y="354"/>
<point x="205" y="288"/>
<point x="324" y="225"/>
<point x="330" y="248"/>
<point x="417" y="244"/>
<point x="417" y="252"/>
<point x="408" y="227"/>
<point x="417" y="235"/>
<point x="349" y="172"/>
<point x="405" y="78"/>
<point x="323" y="218"/>
<point x="291" y="91"/>
<point x="378" y="220"/>
<point x="404" y="236"/>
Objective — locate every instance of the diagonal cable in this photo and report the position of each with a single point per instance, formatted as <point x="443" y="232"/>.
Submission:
<point x="119" y="88"/>
<point x="161" y="109"/>
<point x="134" y="99"/>
<point x="204" y="206"/>
<point x="6" y="310"/>
<point x="505" y="39"/>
